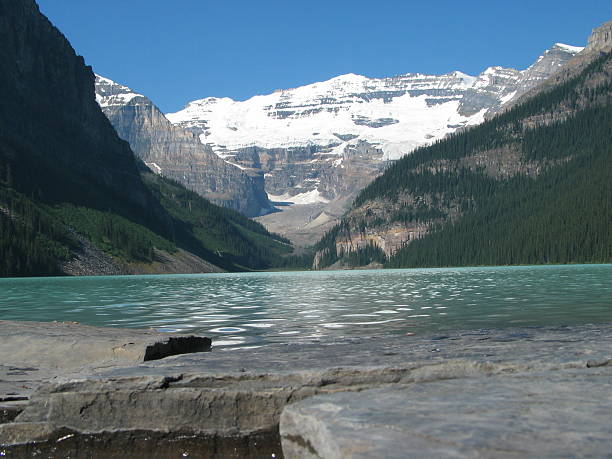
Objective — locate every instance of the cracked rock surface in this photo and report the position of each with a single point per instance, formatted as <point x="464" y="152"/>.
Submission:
<point x="548" y="414"/>
<point x="240" y="394"/>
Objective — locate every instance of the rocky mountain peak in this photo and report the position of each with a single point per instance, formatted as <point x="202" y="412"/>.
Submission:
<point x="177" y="153"/>
<point x="111" y="94"/>
<point x="601" y="39"/>
<point x="549" y="63"/>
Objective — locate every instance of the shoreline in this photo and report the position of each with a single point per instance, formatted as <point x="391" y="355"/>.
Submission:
<point x="59" y="399"/>
<point x="308" y="270"/>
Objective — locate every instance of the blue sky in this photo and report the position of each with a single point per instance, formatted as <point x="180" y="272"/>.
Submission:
<point x="181" y="50"/>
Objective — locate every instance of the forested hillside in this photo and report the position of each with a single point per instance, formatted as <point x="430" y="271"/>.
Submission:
<point x="532" y="185"/>
<point x="38" y="237"/>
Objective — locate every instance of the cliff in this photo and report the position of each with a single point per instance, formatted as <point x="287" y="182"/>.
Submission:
<point x="178" y="154"/>
<point x="53" y="136"/>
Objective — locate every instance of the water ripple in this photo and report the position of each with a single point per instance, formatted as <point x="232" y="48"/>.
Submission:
<point x="254" y="309"/>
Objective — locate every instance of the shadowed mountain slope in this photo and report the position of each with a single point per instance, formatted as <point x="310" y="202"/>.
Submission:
<point x="73" y="198"/>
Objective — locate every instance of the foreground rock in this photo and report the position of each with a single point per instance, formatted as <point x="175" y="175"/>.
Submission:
<point x="32" y="353"/>
<point x="548" y="414"/>
<point x="229" y="403"/>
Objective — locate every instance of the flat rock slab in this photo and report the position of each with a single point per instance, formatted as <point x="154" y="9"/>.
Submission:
<point x="241" y="393"/>
<point x="517" y="349"/>
<point x="35" y="352"/>
<point x="550" y="414"/>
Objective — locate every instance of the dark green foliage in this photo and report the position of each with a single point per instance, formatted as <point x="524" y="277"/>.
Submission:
<point x="36" y="236"/>
<point x="327" y="245"/>
<point x="31" y="241"/>
<point x="564" y="215"/>
<point x="561" y="214"/>
<point x="27" y="253"/>
<point x="114" y="234"/>
<point x="583" y="133"/>
<point x="295" y="262"/>
<point x="329" y="238"/>
<point x="371" y="253"/>
<point x="222" y="236"/>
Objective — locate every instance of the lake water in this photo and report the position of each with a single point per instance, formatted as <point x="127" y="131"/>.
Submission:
<point x="259" y="308"/>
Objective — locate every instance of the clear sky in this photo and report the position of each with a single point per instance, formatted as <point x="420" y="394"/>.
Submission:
<point x="175" y="51"/>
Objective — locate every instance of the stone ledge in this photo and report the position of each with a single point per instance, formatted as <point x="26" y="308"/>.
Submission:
<point x="118" y="444"/>
<point x="36" y="352"/>
<point x="231" y="394"/>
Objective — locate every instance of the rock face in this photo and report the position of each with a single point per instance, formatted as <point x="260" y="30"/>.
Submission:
<point x="45" y="344"/>
<point x="239" y="397"/>
<point x="34" y="352"/>
<point x="318" y="145"/>
<point x="53" y="136"/>
<point x="600" y="40"/>
<point x="177" y="153"/>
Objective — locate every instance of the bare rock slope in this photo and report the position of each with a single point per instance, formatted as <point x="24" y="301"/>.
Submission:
<point x="177" y="153"/>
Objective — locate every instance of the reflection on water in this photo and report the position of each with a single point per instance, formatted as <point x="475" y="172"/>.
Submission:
<point x="260" y="308"/>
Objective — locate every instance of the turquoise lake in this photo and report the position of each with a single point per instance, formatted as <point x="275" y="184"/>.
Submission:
<point x="249" y="309"/>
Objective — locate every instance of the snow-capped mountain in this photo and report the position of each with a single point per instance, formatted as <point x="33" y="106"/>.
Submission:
<point x="395" y="114"/>
<point x="320" y="143"/>
<point x="338" y="112"/>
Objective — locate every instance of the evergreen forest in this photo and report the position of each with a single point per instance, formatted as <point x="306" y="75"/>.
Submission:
<point x="548" y="200"/>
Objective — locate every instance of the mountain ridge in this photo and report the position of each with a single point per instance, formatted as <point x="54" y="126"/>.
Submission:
<point x="314" y="147"/>
<point x="176" y="153"/>
<point x="319" y="144"/>
<point x="362" y="88"/>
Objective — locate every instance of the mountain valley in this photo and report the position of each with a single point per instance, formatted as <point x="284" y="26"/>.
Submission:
<point x="353" y="171"/>
<point x="315" y="147"/>
<point x="319" y="145"/>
